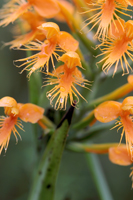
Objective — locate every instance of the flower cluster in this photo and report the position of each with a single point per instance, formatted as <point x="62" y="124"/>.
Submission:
<point x="58" y="56"/>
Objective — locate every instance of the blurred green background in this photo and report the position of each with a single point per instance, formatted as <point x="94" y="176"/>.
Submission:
<point x="17" y="165"/>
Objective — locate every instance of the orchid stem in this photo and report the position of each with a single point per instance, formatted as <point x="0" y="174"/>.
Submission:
<point x="98" y="176"/>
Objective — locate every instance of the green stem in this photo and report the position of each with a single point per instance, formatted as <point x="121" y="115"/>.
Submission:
<point x="45" y="179"/>
<point x="98" y="176"/>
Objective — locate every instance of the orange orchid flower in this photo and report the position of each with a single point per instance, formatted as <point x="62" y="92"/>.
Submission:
<point x="65" y="77"/>
<point x="56" y="41"/>
<point x="110" y="110"/>
<point x="26" y="112"/>
<point x="106" y="13"/>
<point x="30" y="21"/>
<point x="118" y="47"/>
<point x="120" y="156"/>
<point x="15" y="8"/>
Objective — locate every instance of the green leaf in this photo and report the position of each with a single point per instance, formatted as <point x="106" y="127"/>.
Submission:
<point x="45" y="179"/>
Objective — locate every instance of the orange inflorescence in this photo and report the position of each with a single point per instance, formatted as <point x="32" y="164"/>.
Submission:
<point x="56" y="40"/>
<point x="26" y="112"/>
<point x="65" y="77"/>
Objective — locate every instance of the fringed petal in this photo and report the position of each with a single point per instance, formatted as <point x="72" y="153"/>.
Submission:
<point x="7" y="126"/>
<point x="13" y="10"/>
<point x="128" y="128"/>
<point x="21" y="40"/>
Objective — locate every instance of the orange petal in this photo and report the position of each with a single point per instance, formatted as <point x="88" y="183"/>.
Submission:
<point x="30" y="113"/>
<point x="21" y="40"/>
<point x="10" y="105"/>
<point x="33" y="19"/>
<point x="8" y="102"/>
<point x="107" y="111"/>
<point x="71" y="59"/>
<point x="67" y="42"/>
<point x="127" y="104"/>
<point x="50" y="29"/>
<point x="45" y="8"/>
<point x="119" y="155"/>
